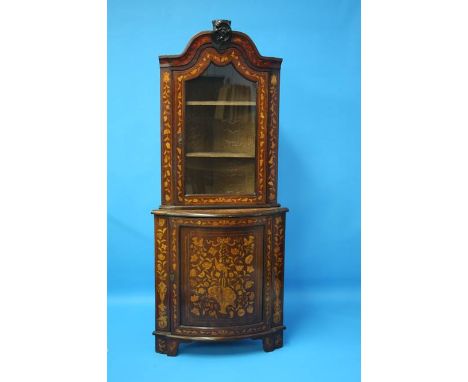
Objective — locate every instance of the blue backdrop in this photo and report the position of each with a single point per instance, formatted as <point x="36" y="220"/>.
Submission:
<point x="319" y="181"/>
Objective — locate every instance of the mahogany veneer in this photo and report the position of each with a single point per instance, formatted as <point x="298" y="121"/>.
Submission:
<point x="219" y="233"/>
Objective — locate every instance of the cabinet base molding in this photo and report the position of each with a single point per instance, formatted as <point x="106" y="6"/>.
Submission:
<point x="167" y="343"/>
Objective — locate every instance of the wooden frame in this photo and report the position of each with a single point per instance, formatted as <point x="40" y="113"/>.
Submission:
<point x="219" y="258"/>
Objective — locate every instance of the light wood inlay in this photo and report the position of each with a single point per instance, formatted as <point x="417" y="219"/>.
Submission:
<point x="221" y="103"/>
<point x="213" y="154"/>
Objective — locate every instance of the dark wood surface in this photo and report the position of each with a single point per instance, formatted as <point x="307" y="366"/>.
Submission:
<point x="219" y="212"/>
<point x="220" y="278"/>
<point x="219" y="259"/>
<point x="203" y="39"/>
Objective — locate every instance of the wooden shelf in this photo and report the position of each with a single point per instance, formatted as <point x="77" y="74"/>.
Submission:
<point x="212" y="154"/>
<point x="221" y="103"/>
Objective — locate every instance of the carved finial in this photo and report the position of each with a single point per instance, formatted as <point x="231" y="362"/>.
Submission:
<point x="221" y="33"/>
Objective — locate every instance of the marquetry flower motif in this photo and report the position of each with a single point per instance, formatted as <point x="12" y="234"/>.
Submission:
<point x="221" y="276"/>
<point x="161" y="273"/>
<point x="278" y="253"/>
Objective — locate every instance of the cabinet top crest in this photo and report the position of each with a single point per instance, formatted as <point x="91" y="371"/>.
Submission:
<point x="221" y="38"/>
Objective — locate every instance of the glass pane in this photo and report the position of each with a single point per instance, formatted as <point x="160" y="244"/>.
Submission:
<point x="220" y="130"/>
<point x="219" y="176"/>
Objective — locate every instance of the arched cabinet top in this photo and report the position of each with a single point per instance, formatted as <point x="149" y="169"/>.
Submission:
<point x="207" y="39"/>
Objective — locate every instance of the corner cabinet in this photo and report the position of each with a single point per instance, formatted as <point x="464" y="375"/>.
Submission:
<point x="219" y="233"/>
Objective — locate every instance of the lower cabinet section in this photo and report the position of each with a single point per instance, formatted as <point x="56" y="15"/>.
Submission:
<point x="219" y="276"/>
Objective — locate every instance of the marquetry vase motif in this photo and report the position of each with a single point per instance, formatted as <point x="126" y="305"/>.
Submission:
<point x="221" y="276"/>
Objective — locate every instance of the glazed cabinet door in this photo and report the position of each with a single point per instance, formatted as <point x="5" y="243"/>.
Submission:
<point x="222" y="277"/>
<point x="221" y="131"/>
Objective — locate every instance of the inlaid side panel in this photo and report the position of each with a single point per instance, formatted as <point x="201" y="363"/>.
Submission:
<point x="278" y="268"/>
<point x="162" y="273"/>
<point x="221" y="275"/>
<point x="166" y="138"/>
<point x="273" y="126"/>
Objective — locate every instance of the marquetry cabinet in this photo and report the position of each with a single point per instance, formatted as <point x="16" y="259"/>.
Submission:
<point x="219" y="232"/>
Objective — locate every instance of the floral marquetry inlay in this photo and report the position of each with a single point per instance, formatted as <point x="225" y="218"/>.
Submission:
<point x="221" y="276"/>
<point x="166" y="137"/>
<point x="162" y="250"/>
<point x="273" y="139"/>
<point x="278" y="269"/>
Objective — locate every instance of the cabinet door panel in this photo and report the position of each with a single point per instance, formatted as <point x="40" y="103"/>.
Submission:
<point x="221" y="276"/>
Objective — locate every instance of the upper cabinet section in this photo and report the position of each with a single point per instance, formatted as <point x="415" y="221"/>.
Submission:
<point x="219" y="123"/>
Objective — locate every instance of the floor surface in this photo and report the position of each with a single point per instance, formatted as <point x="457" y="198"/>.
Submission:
<point x="321" y="343"/>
